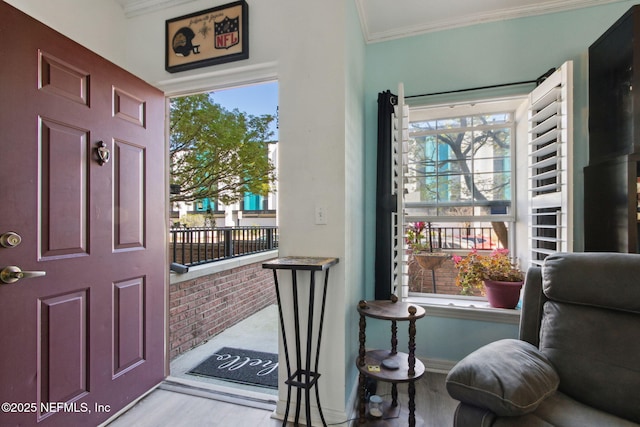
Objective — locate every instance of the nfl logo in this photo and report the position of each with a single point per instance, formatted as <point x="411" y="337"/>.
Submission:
<point x="227" y="33"/>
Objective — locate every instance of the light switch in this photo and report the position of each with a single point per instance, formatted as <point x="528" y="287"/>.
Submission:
<point x="321" y="215"/>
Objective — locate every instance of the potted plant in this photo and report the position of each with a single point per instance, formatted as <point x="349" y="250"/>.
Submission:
<point x="493" y="274"/>
<point x="420" y="243"/>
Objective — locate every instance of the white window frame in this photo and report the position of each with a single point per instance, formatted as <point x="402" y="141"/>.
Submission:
<point x="509" y="104"/>
<point x="465" y="110"/>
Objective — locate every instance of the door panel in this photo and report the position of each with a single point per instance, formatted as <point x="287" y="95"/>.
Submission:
<point x="128" y="107"/>
<point x="58" y="77"/>
<point x="62" y="333"/>
<point x="129" y="166"/>
<point x="64" y="189"/>
<point x="128" y="328"/>
<point x="90" y="332"/>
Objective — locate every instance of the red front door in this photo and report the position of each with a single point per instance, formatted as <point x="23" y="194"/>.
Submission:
<point x="82" y="341"/>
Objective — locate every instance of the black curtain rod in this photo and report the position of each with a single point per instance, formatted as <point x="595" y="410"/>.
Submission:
<point x="537" y="81"/>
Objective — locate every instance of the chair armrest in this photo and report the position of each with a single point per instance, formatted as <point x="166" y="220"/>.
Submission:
<point x="508" y="377"/>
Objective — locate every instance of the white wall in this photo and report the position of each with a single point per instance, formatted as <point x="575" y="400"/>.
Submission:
<point x="96" y="24"/>
<point x="302" y="44"/>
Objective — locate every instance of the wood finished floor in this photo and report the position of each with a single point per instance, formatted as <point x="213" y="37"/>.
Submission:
<point x="171" y="408"/>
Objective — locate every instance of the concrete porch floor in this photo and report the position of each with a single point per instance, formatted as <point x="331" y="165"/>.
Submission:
<point x="258" y="332"/>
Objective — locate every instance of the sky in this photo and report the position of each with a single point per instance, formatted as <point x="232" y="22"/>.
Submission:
<point x="256" y="100"/>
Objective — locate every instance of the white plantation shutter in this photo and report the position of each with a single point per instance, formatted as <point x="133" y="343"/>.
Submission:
<point x="400" y="136"/>
<point x="550" y="161"/>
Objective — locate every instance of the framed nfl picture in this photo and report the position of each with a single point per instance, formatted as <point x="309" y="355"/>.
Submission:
<point x="210" y="37"/>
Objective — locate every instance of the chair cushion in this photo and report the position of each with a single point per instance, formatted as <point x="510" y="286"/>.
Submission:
<point x="509" y="377"/>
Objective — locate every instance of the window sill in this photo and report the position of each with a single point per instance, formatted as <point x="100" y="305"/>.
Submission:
<point x="467" y="308"/>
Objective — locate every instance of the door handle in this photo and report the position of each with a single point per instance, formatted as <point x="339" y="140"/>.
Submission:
<point x="12" y="274"/>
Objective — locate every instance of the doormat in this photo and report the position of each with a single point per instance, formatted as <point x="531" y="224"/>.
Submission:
<point x="241" y="366"/>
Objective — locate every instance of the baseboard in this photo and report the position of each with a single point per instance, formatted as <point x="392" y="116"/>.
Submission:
<point x="439" y="366"/>
<point x="352" y="406"/>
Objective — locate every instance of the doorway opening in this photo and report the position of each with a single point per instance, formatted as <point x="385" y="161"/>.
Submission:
<point x="223" y="328"/>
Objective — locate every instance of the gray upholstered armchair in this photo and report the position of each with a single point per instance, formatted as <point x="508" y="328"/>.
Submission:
<point x="577" y="362"/>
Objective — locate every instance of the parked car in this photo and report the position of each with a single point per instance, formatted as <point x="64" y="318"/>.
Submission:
<point x="456" y="243"/>
<point x="479" y="242"/>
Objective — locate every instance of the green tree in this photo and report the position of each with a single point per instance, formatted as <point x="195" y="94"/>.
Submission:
<point x="463" y="145"/>
<point x="216" y="153"/>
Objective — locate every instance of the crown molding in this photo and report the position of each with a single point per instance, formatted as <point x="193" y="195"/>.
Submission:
<point x="541" y="8"/>
<point x="140" y="7"/>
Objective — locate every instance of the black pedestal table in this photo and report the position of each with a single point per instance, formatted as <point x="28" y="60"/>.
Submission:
<point x="305" y="376"/>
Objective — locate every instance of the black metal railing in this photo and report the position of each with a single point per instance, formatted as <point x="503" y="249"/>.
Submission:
<point x="482" y="238"/>
<point x="193" y="246"/>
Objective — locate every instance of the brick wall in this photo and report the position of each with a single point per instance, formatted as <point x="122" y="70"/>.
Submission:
<point x="422" y="280"/>
<point x="205" y="306"/>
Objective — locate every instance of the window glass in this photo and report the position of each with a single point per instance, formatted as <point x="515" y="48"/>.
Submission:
<point x="458" y="187"/>
<point x="461" y="166"/>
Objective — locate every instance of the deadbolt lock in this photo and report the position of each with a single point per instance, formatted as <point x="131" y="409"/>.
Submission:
<point x="10" y="239"/>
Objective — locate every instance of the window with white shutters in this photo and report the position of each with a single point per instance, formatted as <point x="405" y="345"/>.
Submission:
<point x="430" y="184"/>
<point x="457" y="175"/>
<point x="550" y="145"/>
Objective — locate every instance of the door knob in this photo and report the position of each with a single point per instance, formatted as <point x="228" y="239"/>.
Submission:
<point x="12" y="274"/>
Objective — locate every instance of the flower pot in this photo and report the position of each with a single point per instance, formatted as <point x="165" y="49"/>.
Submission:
<point x="503" y="294"/>
<point x="430" y="260"/>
